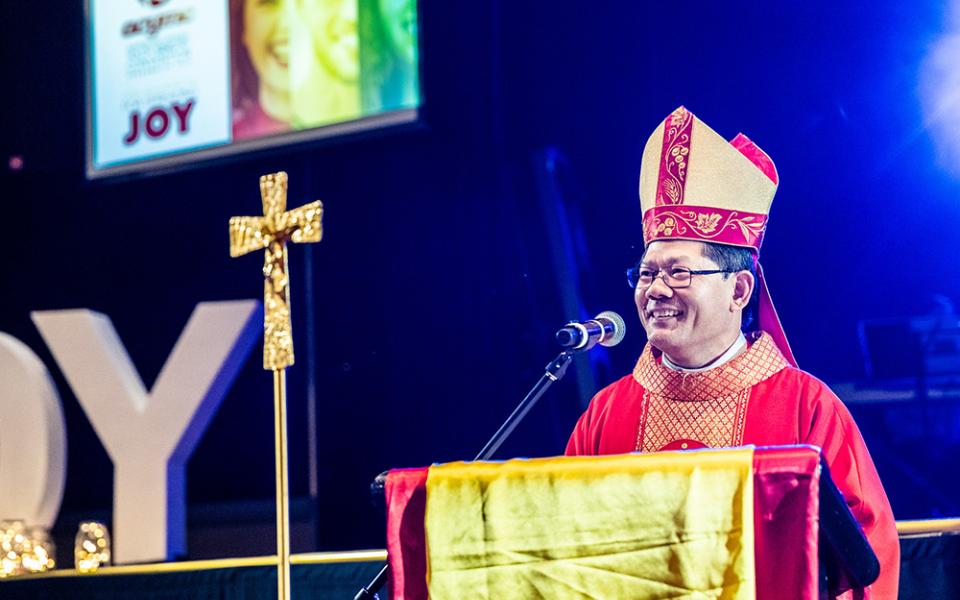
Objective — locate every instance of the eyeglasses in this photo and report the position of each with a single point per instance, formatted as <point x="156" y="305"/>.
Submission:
<point x="673" y="277"/>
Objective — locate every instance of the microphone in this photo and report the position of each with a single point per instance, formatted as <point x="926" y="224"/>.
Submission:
<point x="606" y="329"/>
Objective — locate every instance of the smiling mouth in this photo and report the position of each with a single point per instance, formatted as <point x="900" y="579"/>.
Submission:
<point x="280" y="54"/>
<point x="662" y="314"/>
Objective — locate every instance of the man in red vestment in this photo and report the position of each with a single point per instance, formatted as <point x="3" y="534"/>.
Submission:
<point x="700" y="381"/>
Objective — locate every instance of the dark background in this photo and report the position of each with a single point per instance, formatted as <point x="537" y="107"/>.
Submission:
<point x="436" y="293"/>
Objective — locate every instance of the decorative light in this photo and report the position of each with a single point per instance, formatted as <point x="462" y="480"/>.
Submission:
<point x="91" y="549"/>
<point x="24" y="550"/>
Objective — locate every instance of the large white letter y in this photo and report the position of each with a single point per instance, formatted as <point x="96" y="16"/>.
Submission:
<point x="150" y="436"/>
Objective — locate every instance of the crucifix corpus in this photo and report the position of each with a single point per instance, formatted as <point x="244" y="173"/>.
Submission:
<point x="271" y="232"/>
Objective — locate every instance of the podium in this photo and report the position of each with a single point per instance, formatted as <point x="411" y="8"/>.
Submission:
<point x="733" y="523"/>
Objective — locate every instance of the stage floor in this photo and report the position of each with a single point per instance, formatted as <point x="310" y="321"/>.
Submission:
<point x="930" y="568"/>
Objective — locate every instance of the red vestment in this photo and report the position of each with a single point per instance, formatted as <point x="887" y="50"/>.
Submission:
<point x="756" y="398"/>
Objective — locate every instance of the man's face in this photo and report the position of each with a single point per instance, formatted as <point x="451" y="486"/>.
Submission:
<point x="692" y="321"/>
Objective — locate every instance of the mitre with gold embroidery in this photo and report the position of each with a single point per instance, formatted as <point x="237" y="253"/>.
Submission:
<point x="695" y="185"/>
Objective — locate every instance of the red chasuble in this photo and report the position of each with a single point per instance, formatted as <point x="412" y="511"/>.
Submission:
<point x="756" y="398"/>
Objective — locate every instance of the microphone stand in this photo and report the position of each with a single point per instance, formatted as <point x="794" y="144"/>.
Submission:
<point x="553" y="372"/>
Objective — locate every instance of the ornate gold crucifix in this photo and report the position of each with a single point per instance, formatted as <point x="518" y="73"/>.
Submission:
<point x="271" y="232"/>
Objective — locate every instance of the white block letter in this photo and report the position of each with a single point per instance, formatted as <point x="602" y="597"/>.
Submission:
<point x="150" y="436"/>
<point x="33" y="439"/>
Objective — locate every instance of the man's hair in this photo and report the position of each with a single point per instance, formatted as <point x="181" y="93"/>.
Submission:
<point x="731" y="258"/>
<point x="735" y="258"/>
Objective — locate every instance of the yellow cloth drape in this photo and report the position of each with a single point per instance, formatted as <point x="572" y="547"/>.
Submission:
<point x="664" y="525"/>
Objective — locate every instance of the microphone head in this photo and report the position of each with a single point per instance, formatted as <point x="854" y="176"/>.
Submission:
<point x="566" y="337"/>
<point x="619" y="328"/>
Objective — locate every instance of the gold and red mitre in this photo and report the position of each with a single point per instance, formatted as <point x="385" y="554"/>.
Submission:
<point x="695" y="185"/>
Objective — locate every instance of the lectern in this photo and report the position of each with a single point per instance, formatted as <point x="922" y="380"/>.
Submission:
<point x="749" y="522"/>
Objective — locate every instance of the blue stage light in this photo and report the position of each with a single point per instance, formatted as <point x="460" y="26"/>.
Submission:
<point x="940" y="91"/>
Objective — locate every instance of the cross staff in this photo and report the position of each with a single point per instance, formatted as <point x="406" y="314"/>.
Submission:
<point x="271" y="232"/>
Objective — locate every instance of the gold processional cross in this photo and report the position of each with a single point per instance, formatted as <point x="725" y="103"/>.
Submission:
<point x="271" y="232"/>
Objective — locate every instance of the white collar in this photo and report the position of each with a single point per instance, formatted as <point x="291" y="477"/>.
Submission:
<point x="724" y="358"/>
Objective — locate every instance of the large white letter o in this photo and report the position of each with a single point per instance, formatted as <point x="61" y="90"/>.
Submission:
<point x="33" y="438"/>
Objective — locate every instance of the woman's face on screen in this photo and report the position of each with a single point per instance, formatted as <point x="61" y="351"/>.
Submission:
<point x="333" y="27"/>
<point x="400" y="22"/>
<point x="266" y="35"/>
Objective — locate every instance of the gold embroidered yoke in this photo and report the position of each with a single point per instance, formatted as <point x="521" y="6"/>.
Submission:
<point x="693" y="410"/>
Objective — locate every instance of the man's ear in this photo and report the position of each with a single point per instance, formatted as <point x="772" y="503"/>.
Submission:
<point x="743" y="285"/>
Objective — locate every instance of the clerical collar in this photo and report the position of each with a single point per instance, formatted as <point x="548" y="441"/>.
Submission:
<point x="724" y="358"/>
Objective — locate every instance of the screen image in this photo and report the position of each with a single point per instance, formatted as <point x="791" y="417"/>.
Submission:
<point x="171" y="82"/>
